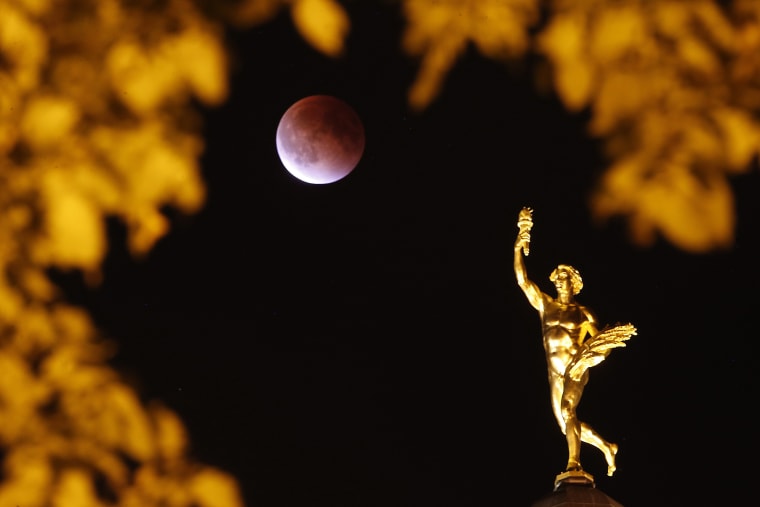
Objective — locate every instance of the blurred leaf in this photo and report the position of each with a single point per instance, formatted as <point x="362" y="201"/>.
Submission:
<point x="693" y="213"/>
<point x="563" y="41"/>
<point x="23" y="45"/>
<point x="48" y="120"/>
<point x="322" y="23"/>
<point x="202" y="62"/>
<point x="75" y="487"/>
<point x="213" y="489"/>
<point x="74" y="230"/>
<point x="252" y="12"/>
<point x="740" y="135"/>
<point x="439" y="32"/>
<point x="28" y="477"/>
<point x="171" y="436"/>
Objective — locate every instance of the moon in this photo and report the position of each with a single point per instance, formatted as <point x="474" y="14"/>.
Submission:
<point x="320" y="139"/>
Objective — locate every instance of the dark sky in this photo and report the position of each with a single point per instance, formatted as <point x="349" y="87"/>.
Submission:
<point x="364" y="343"/>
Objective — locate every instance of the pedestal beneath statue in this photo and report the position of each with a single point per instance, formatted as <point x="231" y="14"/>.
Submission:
<point x="576" y="489"/>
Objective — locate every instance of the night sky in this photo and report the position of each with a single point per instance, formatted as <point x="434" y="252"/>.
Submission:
<point x="365" y="343"/>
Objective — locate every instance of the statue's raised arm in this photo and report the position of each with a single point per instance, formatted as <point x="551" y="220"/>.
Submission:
<point x="522" y="247"/>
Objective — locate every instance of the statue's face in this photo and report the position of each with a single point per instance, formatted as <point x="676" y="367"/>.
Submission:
<point x="564" y="283"/>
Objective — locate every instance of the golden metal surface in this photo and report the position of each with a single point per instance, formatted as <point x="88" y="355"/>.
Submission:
<point x="573" y="344"/>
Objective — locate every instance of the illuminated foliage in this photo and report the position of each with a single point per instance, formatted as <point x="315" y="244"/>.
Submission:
<point x="76" y="435"/>
<point x="95" y="122"/>
<point x="672" y="87"/>
<point x="324" y="24"/>
<point x="439" y="32"/>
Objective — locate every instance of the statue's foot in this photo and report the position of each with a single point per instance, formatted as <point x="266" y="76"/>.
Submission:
<point x="574" y="466"/>
<point x="613" y="450"/>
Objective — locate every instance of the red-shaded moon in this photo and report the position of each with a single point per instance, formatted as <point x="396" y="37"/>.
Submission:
<point x="320" y="139"/>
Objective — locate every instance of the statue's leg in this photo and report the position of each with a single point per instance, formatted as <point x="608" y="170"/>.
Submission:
<point x="573" y="429"/>
<point x="556" y="386"/>
<point x="610" y="450"/>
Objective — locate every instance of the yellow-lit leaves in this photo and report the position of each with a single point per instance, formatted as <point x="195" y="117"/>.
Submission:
<point x="203" y="63"/>
<point x="95" y="121"/>
<point x="253" y="12"/>
<point x="27" y="475"/>
<point x="20" y="395"/>
<point x="191" y="486"/>
<point x="47" y="121"/>
<point x="146" y="78"/>
<point x="322" y="23"/>
<point x="142" y="80"/>
<point x="23" y="47"/>
<point x="68" y="424"/>
<point x="74" y="229"/>
<point x="440" y="31"/>
<point x="109" y="414"/>
<point x="564" y="42"/>
<point x="691" y="210"/>
<point x="740" y="137"/>
<point x="75" y="487"/>
<point x="171" y="437"/>
<point x="673" y="88"/>
<point x="210" y="488"/>
<point x="657" y="79"/>
<point x="150" y="167"/>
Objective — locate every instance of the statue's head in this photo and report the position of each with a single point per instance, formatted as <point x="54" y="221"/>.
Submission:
<point x="573" y="275"/>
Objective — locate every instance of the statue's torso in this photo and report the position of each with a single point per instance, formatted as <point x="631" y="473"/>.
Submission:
<point x="561" y="329"/>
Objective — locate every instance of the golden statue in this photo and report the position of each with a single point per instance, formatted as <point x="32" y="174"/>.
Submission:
<point x="573" y="344"/>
